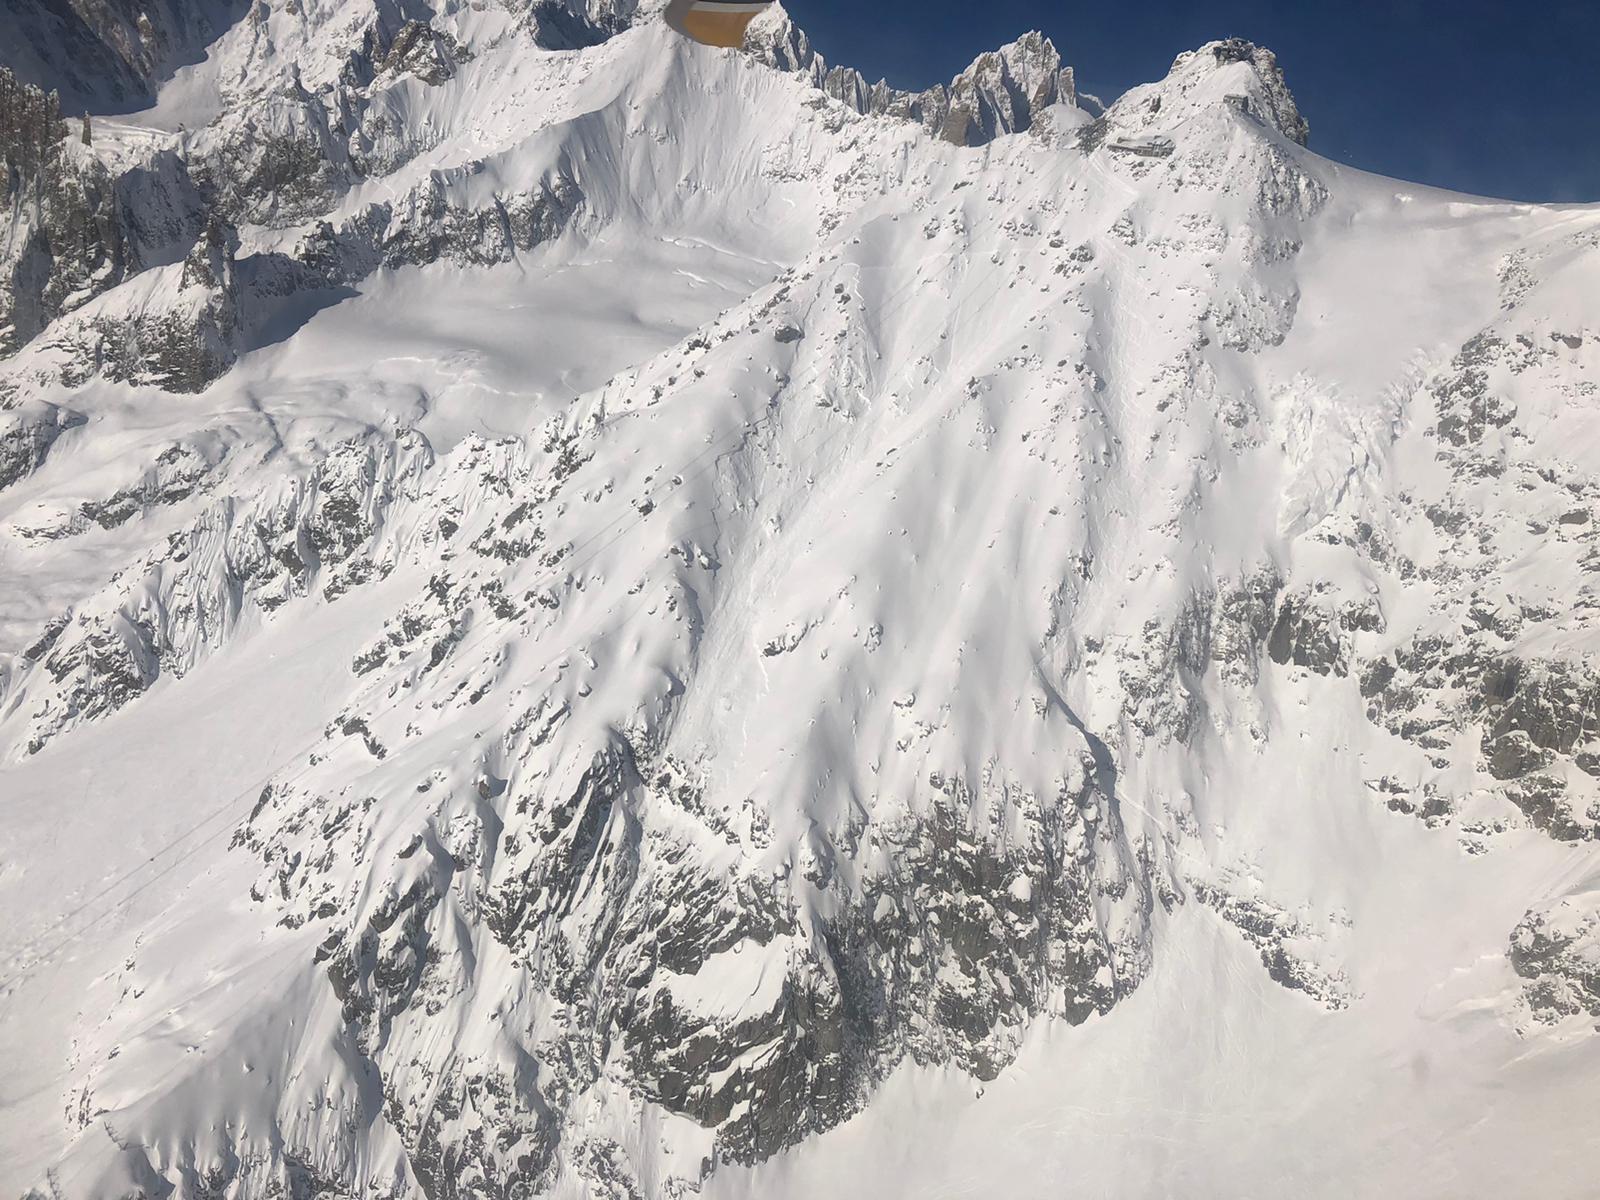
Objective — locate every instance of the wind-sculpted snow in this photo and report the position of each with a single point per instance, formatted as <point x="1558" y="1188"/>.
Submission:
<point x="240" y="556"/>
<point x="659" y="619"/>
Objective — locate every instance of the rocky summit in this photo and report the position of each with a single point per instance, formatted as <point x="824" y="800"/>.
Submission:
<point x="583" y="615"/>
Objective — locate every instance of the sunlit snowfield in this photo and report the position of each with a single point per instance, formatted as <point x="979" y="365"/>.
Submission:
<point x="856" y="665"/>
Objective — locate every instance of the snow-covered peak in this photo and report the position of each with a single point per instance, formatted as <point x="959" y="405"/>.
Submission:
<point x="1009" y="89"/>
<point x="585" y="615"/>
<point x="1031" y="65"/>
<point x="1232" y="73"/>
<point x="1003" y="91"/>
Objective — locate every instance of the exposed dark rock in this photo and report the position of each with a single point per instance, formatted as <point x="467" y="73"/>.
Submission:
<point x="1512" y="754"/>
<point x="26" y="436"/>
<point x="276" y="163"/>
<point x="181" y="347"/>
<point x="943" y="958"/>
<point x="178" y="471"/>
<point x="1557" y="948"/>
<point x="1468" y="407"/>
<point x="429" y="226"/>
<point x="422" y="51"/>
<point x="78" y="231"/>
<point x="1002" y="92"/>
<point x="1307" y="635"/>
<point x="1553" y="704"/>
<point x="110" y="55"/>
<point x="1274" y="934"/>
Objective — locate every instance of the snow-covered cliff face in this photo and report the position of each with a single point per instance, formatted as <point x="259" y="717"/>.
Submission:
<point x="1006" y="91"/>
<point x="109" y="54"/>
<point x="590" y="616"/>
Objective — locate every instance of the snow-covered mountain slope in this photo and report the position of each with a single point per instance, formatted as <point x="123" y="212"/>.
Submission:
<point x="585" y="615"/>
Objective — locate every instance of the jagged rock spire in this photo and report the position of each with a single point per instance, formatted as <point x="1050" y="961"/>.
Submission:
<point x="1233" y="72"/>
<point x="1003" y="91"/>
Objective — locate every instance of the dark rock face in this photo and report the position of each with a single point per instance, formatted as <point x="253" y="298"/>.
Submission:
<point x="429" y="227"/>
<point x="944" y="957"/>
<point x="1557" y="949"/>
<point x="1527" y="717"/>
<point x="420" y="50"/>
<point x="176" y="474"/>
<point x="109" y="55"/>
<point x="1243" y="617"/>
<point x="1532" y="715"/>
<point x="1550" y="705"/>
<point x="67" y="243"/>
<point x="78" y="231"/>
<point x="1468" y="407"/>
<point x="97" y="231"/>
<point x="1277" y="937"/>
<point x="1234" y="77"/>
<point x="81" y="230"/>
<point x="181" y="348"/>
<point x="782" y="1071"/>
<point x="101" y="667"/>
<point x="277" y="164"/>
<point x="26" y="436"/>
<point x="573" y="24"/>
<point x="1004" y="91"/>
<point x="1307" y="636"/>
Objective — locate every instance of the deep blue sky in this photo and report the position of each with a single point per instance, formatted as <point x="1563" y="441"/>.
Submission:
<point x="1486" y="96"/>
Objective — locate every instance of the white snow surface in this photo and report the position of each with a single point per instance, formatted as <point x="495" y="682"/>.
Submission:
<point x="822" y="465"/>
